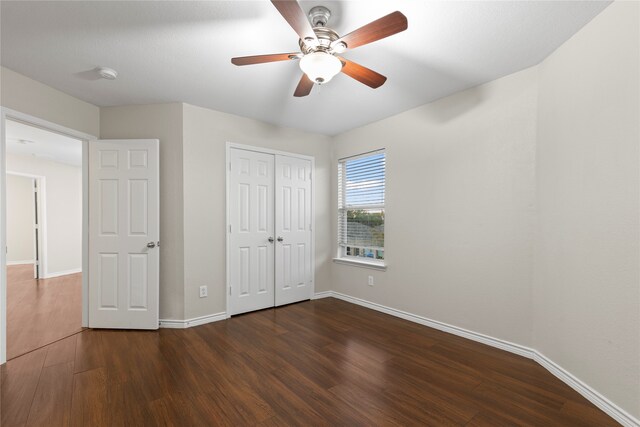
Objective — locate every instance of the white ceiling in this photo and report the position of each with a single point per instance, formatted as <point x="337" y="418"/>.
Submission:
<point x="32" y="141"/>
<point x="180" y="51"/>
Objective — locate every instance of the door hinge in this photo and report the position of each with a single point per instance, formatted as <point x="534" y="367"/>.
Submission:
<point x="229" y="290"/>
<point x="229" y="228"/>
<point x="229" y="165"/>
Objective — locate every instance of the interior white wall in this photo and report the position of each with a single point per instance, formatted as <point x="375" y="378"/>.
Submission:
<point x="20" y="220"/>
<point x="163" y="122"/>
<point x="586" y="291"/>
<point x="206" y="133"/>
<point x="459" y="209"/>
<point x="63" y="210"/>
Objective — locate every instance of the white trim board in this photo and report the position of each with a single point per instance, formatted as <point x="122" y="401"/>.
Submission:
<point x="608" y="407"/>
<point x="27" y="261"/>
<point x="41" y="210"/>
<point x="196" y="321"/>
<point x="62" y="273"/>
<point x="589" y="393"/>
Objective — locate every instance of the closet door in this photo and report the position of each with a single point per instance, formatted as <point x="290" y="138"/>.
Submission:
<point x="251" y="247"/>
<point x="293" y="230"/>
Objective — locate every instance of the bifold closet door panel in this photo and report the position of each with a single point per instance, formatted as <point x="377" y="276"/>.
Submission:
<point x="251" y="218"/>
<point x="293" y="230"/>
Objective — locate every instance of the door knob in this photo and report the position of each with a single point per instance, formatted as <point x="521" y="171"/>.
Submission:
<point x="270" y="239"/>
<point x="151" y="245"/>
<point x="280" y="239"/>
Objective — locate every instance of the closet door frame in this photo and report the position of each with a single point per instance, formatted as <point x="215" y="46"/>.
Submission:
<point x="232" y="145"/>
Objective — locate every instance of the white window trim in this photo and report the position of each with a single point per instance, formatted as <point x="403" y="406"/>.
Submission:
<point x="359" y="261"/>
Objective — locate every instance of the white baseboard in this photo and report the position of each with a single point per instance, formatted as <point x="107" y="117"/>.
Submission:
<point x="27" y="261"/>
<point x="325" y="294"/>
<point x="610" y="408"/>
<point x="475" y="336"/>
<point x="607" y="406"/>
<point x="62" y="273"/>
<point x="196" y="321"/>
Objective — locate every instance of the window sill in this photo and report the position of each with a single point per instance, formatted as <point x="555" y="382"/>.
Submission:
<point x="363" y="264"/>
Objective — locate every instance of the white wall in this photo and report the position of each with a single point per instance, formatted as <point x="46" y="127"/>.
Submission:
<point x="586" y="290"/>
<point x="459" y="209"/>
<point x="206" y="133"/>
<point x="63" y="210"/>
<point x="20" y="220"/>
<point x="164" y="122"/>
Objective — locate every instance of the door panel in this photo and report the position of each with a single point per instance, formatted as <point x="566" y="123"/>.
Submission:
<point x="293" y="228"/>
<point x="124" y="231"/>
<point x="251" y="210"/>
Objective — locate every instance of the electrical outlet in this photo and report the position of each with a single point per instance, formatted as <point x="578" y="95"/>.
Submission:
<point x="370" y="281"/>
<point x="203" y="291"/>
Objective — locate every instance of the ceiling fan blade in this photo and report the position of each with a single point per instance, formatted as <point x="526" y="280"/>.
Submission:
<point x="362" y="74"/>
<point x="261" y="59"/>
<point x="295" y="16"/>
<point x="380" y="28"/>
<point x="304" y="86"/>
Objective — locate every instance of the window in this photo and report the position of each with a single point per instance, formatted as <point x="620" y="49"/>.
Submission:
<point x="361" y="187"/>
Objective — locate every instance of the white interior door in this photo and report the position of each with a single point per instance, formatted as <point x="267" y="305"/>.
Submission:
<point x="251" y="246"/>
<point x="293" y="230"/>
<point x="124" y="232"/>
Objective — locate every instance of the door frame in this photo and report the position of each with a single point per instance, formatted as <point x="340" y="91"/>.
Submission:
<point x="86" y="139"/>
<point x="233" y="145"/>
<point x="41" y="212"/>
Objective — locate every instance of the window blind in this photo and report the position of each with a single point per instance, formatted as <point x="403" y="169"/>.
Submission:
<point x="361" y="198"/>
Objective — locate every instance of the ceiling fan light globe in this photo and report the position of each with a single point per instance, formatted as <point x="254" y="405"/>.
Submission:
<point x="320" y="67"/>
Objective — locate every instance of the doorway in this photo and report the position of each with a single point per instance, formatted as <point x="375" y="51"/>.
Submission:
<point x="270" y="248"/>
<point x="19" y="135"/>
<point x="44" y="237"/>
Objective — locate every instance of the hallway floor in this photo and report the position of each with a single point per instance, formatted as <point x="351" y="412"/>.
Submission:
<point x="40" y="312"/>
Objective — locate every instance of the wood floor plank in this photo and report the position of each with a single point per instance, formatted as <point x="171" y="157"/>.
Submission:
<point x="40" y="312"/>
<point x="89" y="399"/>
<point x="63" y="351"/>
<point x="19" y="384"/>
<point x="90" y="353"/>
<point x="52" y="401"/>
<point x="320" y="363"/>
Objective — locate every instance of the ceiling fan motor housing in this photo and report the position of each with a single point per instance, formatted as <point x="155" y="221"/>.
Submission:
<point x="325" y="36"/>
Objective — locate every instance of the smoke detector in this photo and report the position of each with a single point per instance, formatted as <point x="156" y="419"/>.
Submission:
<point x="107" y="73"/>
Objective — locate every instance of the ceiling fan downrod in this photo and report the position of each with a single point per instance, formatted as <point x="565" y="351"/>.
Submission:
<point x="319" y="16"/>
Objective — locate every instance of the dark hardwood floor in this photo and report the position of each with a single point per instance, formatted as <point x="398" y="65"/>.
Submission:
<point x="317" y="363"/>
<point x="40" y="312"/>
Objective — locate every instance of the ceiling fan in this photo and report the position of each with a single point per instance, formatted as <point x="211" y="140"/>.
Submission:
<point x="320" y="46"/>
